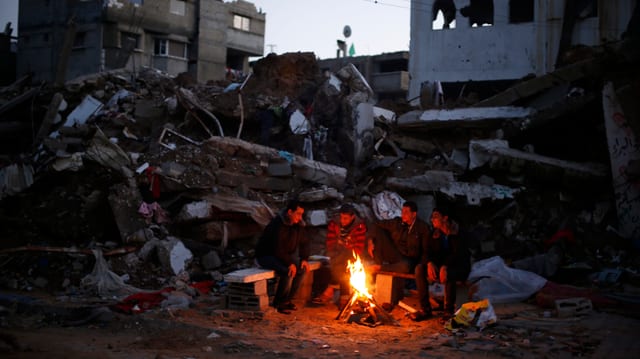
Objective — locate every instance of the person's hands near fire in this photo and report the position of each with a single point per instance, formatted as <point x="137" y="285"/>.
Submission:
<point x="304" y="265"/>
<point x="370" y="247"/>
<point x="292" y="270"/>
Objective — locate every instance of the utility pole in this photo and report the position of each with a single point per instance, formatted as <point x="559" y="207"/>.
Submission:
<point x="271" y="47"/>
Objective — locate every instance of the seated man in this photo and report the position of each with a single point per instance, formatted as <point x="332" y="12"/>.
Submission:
<point x="404" y="252"/>
<point x="284" y="247"/>
<point x="346" y="236"/>
<point x="448" y="258"/>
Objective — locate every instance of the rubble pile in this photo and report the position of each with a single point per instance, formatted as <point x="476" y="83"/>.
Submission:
<point x="184" y="176"/>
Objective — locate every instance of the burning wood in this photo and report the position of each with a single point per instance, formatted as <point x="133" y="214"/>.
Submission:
<point x="361" y="307"/>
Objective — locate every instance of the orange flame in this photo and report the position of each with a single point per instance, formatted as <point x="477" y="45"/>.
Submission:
<point x="358" y="277"/>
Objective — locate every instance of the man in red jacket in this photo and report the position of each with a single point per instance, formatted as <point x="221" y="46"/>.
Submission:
<point x="346" y="237"/>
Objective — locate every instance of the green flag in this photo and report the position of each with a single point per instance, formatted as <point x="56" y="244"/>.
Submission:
<point x="352" y="50"/>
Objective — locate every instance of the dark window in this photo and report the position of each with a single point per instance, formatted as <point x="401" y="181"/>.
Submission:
<point x="479" y="12"/>
<point x="128" y="36"/>
<point x="160" y="47"/>
<point x="587" y="8"/>
<point x="443" y="14"/>
<point x="80" y="39"/>
<point x="520" y="11"/>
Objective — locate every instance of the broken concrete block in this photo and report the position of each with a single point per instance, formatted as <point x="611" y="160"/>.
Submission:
<point x="387" y="116"/>
<point x="363" y="133"/>
<point x="476" y="192"/>
<point x="474" y="117"/>
<point x="427" y="182"/>
<point x="279" y="169"/>
<point x="232" y="179"/>
<point x="173" y="254"/>
<point x="319" y="194"/>
<point x="173" y="169"/>
<point x="316" y="217"/>
<point x="499" y="155"/>
<point x="87" y="108"/>
<point x="124" y="201"/>
<point x="211" y="260"/>
<point x="195" y="210"/>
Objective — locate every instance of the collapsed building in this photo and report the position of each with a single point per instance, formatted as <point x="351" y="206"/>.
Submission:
<point x="168" y="176"/>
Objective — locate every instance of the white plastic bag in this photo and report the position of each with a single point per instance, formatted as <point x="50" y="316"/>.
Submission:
<point x="502" y="284"/>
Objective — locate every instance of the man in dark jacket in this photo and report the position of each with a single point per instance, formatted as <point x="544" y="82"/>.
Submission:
<point x="405" y="252"/>
<point x="284" y="247"/>
<point x="448" y="257"/>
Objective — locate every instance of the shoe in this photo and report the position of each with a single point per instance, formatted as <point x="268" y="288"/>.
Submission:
<point x="421" y="315"/>
<point x="320" y="300"/>
<point x="289" y="306"/>
<point x="283" y="310"/>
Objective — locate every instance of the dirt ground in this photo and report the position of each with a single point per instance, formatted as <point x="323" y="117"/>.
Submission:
<point x="56" y="330"/>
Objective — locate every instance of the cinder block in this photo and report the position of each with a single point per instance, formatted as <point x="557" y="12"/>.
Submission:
<point x="255" y="288"/>
<point x="389" y="289"/>
<point x="572" y="307"/>
<point x="248" y="302"/>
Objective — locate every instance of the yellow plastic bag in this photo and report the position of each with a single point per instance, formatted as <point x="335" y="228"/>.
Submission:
<point x="478" y="314"/>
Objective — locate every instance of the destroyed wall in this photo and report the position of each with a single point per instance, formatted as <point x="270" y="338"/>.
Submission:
<point x="488" y="41"/>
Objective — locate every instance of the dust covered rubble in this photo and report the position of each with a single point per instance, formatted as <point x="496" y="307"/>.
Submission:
<point x="121" y="160"/>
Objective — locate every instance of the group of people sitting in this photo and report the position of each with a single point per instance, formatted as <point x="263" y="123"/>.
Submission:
<point x="434" y="252"/>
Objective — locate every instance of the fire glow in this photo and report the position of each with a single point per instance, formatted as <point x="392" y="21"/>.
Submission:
<point x="358" y="279"/>
<point x="361" y="307"/>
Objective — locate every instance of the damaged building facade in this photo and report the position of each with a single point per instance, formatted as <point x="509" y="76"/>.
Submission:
<point x="504" y="40"/>
<point x="387" y="74"/>
<point x="210" y="40"/>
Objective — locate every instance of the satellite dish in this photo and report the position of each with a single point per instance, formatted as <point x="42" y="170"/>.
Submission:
<point x="346" y="31"/>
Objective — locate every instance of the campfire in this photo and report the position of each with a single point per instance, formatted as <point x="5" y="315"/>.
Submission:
<point x="361" y="307"/>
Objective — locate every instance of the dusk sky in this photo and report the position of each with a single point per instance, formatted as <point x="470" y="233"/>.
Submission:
<point x="315" y="25"/>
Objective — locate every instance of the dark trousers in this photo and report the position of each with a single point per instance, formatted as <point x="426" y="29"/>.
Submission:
<point x="287" y="285"/>
<point x="339" y="272"/>
<point x="321" y="280"/>
<point x="448" y="276"/>
<point x="391" y="260"/>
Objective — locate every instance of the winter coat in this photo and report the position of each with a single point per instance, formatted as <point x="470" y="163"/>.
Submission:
<point x="351" y="237"/>
<point x="284" y="241"/>
<point x="411" y="242"/>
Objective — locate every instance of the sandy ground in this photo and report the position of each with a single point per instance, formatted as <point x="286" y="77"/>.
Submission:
<point x="206" y="331"/>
